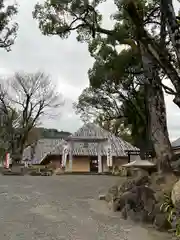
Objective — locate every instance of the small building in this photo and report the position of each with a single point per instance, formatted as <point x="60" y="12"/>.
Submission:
<point x="33" y="154"/>
<point x="176" y="146"/>
<point x="90" y="149"/>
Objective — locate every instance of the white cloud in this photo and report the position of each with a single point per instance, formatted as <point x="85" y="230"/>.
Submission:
<point x="69" y="90"/>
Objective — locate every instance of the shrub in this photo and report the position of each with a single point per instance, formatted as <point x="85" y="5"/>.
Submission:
<point x="121" y="171"/>
<point x="172" y="217"/>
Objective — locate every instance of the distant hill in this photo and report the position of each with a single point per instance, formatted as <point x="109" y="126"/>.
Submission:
<point x="52" y="133"/>
<point x="38" y="133"/>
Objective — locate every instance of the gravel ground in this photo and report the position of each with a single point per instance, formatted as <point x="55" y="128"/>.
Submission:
<point x="62" y="207"/>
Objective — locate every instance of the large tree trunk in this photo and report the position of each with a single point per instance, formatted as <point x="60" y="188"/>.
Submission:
<point x="17" y="147"/>
<point x="157" y="114"/>
<point x="172" y="24"/>
<point x="159" y="54"/>
<point x="158" y="126"/>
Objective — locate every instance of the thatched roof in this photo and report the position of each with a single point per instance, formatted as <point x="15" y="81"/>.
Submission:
<point x="58" y="149"/>
<point x="84" y="143"/>
<point x="140" y="163"/>
<point x="176" y="143"/>
<point x="43" y="147"/>
<point x="86" y="138"/>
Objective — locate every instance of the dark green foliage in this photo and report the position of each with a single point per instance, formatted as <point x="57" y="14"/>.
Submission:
<point x="119" y="79"/>
<point x="52" y="133"/>
<point x="114" y="112"/>
<point x="61" y="17"/>
<point x="8" y="29"/>
<point x="116" y="94"/>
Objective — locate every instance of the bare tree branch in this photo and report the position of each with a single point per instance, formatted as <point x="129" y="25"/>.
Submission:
<point x="32" y="96"/>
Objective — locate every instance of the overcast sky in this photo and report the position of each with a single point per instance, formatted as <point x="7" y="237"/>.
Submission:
<point x="67" y="61"/>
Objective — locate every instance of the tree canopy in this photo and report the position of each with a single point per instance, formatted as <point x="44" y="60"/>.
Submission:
<point x="8" y="28"/>
<point x="150" y="32"/>
<point x="144" y="21"/>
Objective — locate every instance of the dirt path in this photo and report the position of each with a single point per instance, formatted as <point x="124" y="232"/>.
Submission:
<point x="63" y="207"/>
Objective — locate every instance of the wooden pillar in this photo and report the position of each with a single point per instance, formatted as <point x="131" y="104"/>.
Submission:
<point x="129" y="157"/>
<point x="70" y="155"/>
<point x="99" y="158"/>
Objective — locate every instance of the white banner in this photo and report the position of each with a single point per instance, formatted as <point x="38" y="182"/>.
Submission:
<point x="109" y="155"/>
<point x="7" y="160"/>
<point x="64" y="155"/>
